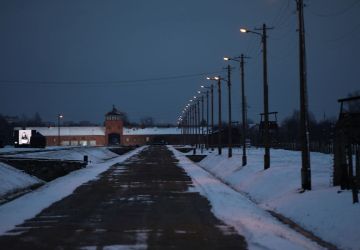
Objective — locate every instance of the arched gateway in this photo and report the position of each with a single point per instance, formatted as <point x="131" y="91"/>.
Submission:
<point x="113" y="127"/>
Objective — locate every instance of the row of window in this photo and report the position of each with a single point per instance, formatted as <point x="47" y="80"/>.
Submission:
<point x="147" y="139"/>
<point x="78" y="143"/>
<point x="113" y="118"/>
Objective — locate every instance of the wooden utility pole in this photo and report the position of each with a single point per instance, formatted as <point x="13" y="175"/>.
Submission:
<point x="201" y="124"/>
<point x="304" y="115"/>
<point x="207" y="119"/>
<point x="243" y="109"/>
<point x="212" y="117"/>
<point x="219" y="127"/>
<point x="266" y="98"/>
<point x="229" y="109"/>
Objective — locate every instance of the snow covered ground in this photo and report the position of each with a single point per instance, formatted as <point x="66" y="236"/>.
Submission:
<point x="27" y="206"/>
<point x="12" y="149"/>
<point x="327" y="213"/>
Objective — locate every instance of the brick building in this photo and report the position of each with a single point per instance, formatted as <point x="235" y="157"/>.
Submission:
<point x="112" y="133"/>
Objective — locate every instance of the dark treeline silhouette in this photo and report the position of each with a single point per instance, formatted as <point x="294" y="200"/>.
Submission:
<point x="321" y="133"/>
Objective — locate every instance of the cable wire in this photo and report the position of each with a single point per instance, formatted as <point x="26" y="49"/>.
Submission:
<point x="122" y="82"/>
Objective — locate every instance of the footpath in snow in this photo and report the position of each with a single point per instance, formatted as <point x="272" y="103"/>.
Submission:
<point x="27" y="206"/>
<point x="325" y="212"/>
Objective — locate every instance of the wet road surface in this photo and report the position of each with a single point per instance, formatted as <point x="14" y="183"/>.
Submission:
<point x="143" y="203"/>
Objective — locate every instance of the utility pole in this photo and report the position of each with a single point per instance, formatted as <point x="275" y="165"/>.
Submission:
<point x="198" y="122"/>
<point x="229" y="109"/>
<point x="304" y="115"/>
<point x="201" y="123"/>
<point x="243" y="109"/>
<point x="60" y="116"/>
<point x="212" y="117"/>
<point x="266" y="99"/>
<point x="207" y="119"/>
<point x="193" y="127"/>
<point x="219" y="127"/>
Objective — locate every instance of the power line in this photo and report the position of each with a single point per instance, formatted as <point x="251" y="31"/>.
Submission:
<point x="122" y="82"/>
<point x="336" y="13"/>
<point x="281" y="15"/>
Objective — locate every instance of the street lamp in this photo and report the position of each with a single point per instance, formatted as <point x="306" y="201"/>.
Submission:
<point x="60" y="116"/>
<point x="243" y="102"/>
<point x="218" y="79"/>
<point x="212" y="114"/>
<point x="266" y="93"/>
<point x="204" y="94"/>
<point x="229" y="109"/>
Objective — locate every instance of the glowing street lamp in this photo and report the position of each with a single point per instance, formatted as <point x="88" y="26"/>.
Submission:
<point x="266" y="93"/>
<point x="60" y="116"/>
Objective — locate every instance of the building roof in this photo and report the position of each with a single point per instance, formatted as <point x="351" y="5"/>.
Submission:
<point x="99" y="130"/>
<point x="152" y="131"/>
<point x="68" y="131"/>
<point x="114" y="111"/>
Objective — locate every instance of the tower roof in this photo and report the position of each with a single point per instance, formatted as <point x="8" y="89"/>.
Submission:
<point x="115" y="111"/>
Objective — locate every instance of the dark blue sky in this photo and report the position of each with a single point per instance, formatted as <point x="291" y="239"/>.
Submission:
<point x="66" y="56"/>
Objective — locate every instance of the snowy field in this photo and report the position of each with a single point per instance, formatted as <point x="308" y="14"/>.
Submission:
<point x="27" y="206"/>
<point x="323" y="211"/>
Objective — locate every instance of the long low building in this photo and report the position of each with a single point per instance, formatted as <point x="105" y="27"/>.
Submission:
<point x="112" y="133"/>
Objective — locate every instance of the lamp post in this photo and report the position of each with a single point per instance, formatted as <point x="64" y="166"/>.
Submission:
<point x="229" y="110"/>
<point x="60" y="116"/>
<point x="229" y="115"/>
<point x="211" y="141"/>
<point x="202" y="118"/>
<point x="217" y="78"/>
<point x="266" y="93"/>
<point x="243" y="103"/>
<point x="304" y="115"/>
<point x="198" y="122"/>
<point x="207" y="119"/>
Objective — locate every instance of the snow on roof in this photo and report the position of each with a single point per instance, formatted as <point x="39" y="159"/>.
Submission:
<point x="74" y="131"/>
<point x="68" y="131"/>
<point x="152" y="131"/>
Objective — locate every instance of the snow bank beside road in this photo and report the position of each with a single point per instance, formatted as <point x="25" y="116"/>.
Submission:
<point x="323" y="211"/>
<point x="12" y="179"/>
<point x="27" y="206"/>
<point x="95" y="154"/>
<point x="261" y="230"/>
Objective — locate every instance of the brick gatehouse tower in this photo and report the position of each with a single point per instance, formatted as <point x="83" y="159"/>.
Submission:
<point x="114" y="127"/>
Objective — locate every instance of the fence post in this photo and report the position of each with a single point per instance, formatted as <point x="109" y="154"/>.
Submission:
<point x="352" y="178"/>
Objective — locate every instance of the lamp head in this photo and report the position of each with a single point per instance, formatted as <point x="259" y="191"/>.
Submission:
<point x="242" y="30"/>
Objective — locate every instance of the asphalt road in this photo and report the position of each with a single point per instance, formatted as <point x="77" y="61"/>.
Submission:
<point x="143" y="203"/>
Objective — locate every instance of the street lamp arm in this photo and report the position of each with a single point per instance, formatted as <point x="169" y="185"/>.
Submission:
<point x="243" y="30"/>
<point x="236" y="58"/>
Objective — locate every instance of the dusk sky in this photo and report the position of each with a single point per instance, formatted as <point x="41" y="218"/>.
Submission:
<point x="79" y="57"/>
